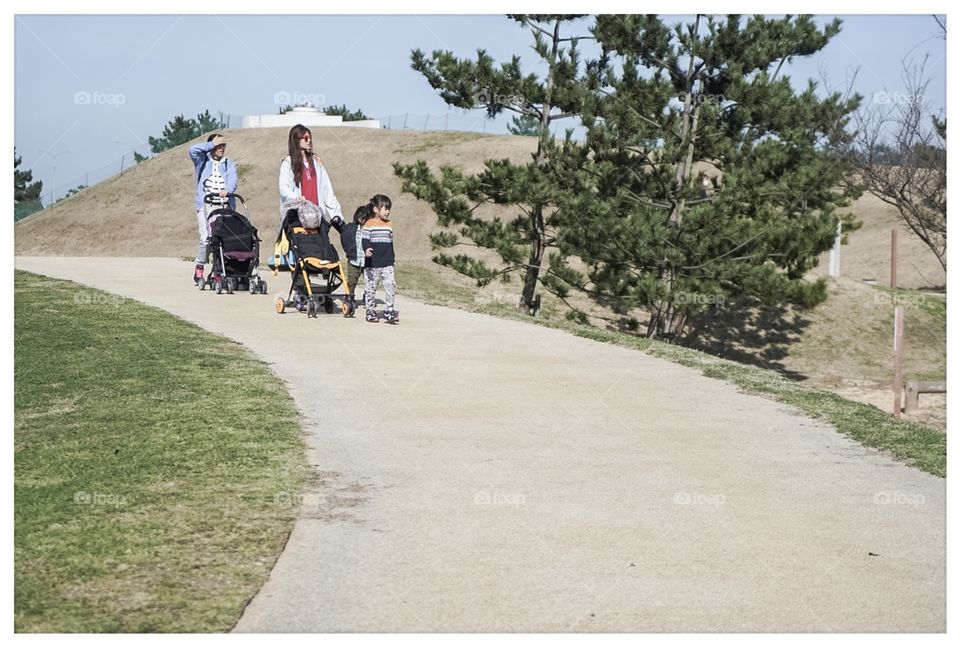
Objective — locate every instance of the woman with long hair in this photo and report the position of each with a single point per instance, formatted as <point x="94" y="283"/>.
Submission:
<point x="303" y="177"/>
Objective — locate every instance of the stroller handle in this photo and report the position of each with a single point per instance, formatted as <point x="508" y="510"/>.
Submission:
<point x="210" y="197"/>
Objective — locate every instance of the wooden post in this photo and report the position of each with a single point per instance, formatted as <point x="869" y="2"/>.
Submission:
<point x="893" y="259"/>
<point x="913" y="397"/>
<point x="914" y="388"/>
<point x="897" y="359"/>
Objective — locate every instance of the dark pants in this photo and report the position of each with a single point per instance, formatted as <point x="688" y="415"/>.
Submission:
<point x="353" y="276"/>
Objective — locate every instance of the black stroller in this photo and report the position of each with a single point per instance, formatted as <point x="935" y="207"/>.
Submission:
<point x="235" y="247"/>
<point x="307" y="254"/>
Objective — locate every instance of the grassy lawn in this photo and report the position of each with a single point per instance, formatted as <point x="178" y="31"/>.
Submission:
<point x="154" y="467"/>
<point x="917" y="445"/>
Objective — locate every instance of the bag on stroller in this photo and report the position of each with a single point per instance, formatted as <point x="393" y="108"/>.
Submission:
<point x="306" y="252"/>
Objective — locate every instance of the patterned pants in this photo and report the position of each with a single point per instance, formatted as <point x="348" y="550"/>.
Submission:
<point x="371" y="277"/>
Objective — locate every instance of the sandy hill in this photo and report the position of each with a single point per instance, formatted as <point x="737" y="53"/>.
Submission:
<point x="867" y="252"/>
<point x="148" y="211"/>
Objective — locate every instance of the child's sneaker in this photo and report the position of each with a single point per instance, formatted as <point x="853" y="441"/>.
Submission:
<point x="391" y="317"/>
<point x="198" y="274"/>
<point x="372" y="316"/>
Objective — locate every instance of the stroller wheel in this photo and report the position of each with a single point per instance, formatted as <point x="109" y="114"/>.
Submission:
<point x="252" y="287"/>
<point x="281" y="305"/>
<point x="312" y="308"/>
<point x="218" y="284"/>
<point x="327" y="305"/>
<point x="231" y="285"/>
<point x="202" y="284"/>
<point x="344" y="308"/>
<point x="263" y="287"/>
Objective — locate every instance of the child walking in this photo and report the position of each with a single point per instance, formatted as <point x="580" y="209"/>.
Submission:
<point x="377" y="239"/>
<point x="350" y="239"/>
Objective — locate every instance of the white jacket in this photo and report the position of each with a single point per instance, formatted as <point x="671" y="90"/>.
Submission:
<point x="290" y="190"/>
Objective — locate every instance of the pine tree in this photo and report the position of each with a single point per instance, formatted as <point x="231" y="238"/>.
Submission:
<point x="26" y="192"/>
<point x="180" y="130"/>
<point x="24" y="188"/>
<point x="524" y="125"/>
<point x="522" y="242"/>
<point x="346" y="113"/>
<point x="207" y="123"/>
<point x="702" y="97"/>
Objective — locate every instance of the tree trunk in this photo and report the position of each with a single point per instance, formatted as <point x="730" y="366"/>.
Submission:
<point x="666" y="319"/>
<point x="529" y="301"/>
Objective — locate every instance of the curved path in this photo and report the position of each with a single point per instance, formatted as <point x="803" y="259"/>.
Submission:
<point x="477" y="474"/>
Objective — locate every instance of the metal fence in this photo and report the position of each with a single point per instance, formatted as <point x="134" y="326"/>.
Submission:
<point x="475" y="121"/>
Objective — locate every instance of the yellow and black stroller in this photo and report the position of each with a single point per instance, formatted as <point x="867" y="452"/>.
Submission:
<point x="316" y="271"/>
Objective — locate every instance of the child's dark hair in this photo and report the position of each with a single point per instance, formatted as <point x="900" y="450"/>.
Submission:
<point x="361" y="215"/>
<point x="365" y="213"/>
<point x="378" y="201"/>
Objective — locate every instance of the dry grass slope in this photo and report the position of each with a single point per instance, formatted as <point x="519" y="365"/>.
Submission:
<point x="148" y="210"/>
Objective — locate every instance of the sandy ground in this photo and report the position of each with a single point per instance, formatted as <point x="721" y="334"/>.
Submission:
<point x="932" y="411"/>
<point x="477" y="474"/>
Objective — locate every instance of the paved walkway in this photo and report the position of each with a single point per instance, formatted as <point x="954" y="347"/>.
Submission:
<point x="486" y="475"/>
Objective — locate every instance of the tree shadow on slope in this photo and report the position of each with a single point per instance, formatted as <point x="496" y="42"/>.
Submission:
<point x="749" y="334"/>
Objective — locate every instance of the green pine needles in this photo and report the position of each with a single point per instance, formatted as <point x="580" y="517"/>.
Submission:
<point x="703" y="176"/>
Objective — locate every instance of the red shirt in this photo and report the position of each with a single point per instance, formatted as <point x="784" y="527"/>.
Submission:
<point x="308" y="183"/>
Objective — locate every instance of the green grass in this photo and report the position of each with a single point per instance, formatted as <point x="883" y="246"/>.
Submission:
<point x="438" y="140"/>
<point x="243" y="170"/>
<point x="914" y="444"/>
<point x="153" y="467"/>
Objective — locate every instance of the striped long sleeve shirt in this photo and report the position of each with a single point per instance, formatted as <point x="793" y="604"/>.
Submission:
<point x="377" y="235"/>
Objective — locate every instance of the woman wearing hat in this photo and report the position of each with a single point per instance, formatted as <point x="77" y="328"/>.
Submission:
<point x="215" y="175"/>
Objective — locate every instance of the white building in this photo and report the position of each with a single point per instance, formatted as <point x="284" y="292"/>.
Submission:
<point x="306" y="115"/>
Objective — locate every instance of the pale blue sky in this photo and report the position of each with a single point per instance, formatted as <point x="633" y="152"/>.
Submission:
<point x="140" y="71"/>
